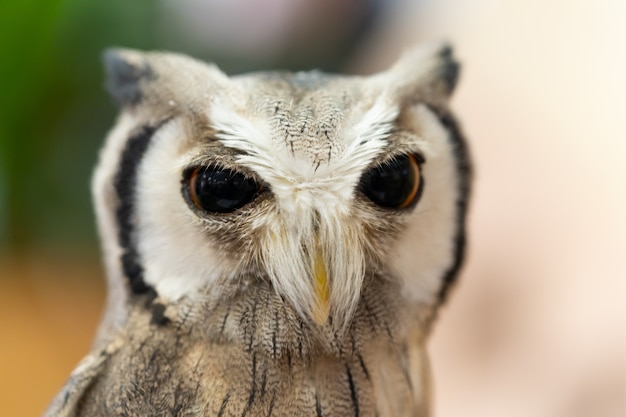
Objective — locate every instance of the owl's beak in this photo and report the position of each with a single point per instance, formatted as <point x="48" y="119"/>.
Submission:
<point x="322" y="293"/>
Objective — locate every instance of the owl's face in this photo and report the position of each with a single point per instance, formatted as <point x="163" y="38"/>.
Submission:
<point x="311" y="182"/>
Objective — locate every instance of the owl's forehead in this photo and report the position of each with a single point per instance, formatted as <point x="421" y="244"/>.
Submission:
<point x="302" y="103"/>
<point x="306" y="114"/>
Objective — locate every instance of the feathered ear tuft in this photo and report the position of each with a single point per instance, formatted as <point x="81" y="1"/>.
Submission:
<point x="449" y="70"/>
<point x="424" y="74"/>
<point x="126" y="70"/>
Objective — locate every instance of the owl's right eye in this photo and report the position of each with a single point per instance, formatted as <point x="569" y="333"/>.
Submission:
<point x="396" y="184"/>
<point x="219" y="190"/>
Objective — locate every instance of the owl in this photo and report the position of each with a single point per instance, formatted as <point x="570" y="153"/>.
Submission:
<point x="276" y="244"/>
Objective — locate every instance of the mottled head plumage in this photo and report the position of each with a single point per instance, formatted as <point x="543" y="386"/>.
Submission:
<point x="336" y="228"/>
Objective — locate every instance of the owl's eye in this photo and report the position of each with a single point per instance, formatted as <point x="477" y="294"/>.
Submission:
<point x="395" y="184"/>
<point x="219" y="190"/>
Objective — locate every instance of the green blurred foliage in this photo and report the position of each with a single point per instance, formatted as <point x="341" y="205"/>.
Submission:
<point x="54" y="113"/>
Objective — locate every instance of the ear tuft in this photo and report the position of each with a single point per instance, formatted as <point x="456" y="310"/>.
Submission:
<point x="124" y="70"/>
<point x="449" y="69"/>
<point x="424" y="74"/>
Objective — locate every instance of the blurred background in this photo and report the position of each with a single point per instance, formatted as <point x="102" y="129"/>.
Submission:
<point x="536" y="326"/>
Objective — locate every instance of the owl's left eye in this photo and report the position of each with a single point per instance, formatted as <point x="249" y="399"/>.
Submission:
<point x="396" y="184"/>
<point x="219" y="190"/>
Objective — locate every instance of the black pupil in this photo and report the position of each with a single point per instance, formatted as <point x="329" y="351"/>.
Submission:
<point x="390" y="184"/>
<point x="223" y="190"/>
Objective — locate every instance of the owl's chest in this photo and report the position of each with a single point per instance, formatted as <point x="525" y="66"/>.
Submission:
<point x="161" y="375"/>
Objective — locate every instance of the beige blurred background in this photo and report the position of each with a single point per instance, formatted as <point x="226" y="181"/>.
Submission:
<point x="537" y="325"/>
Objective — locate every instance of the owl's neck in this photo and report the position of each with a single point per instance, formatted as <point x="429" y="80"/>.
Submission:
<point x="252" y="351"/>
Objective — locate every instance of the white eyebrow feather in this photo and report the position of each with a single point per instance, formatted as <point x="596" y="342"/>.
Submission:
<point x="238" y="132"/>
<point x="366" y="139"/>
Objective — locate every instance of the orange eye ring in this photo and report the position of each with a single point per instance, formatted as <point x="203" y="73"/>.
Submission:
<point x="415" y="168"/>
<point x="192" y="187"/>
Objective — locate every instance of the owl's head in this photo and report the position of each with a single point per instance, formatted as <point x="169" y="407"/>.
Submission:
<point x="316" y="184"/>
